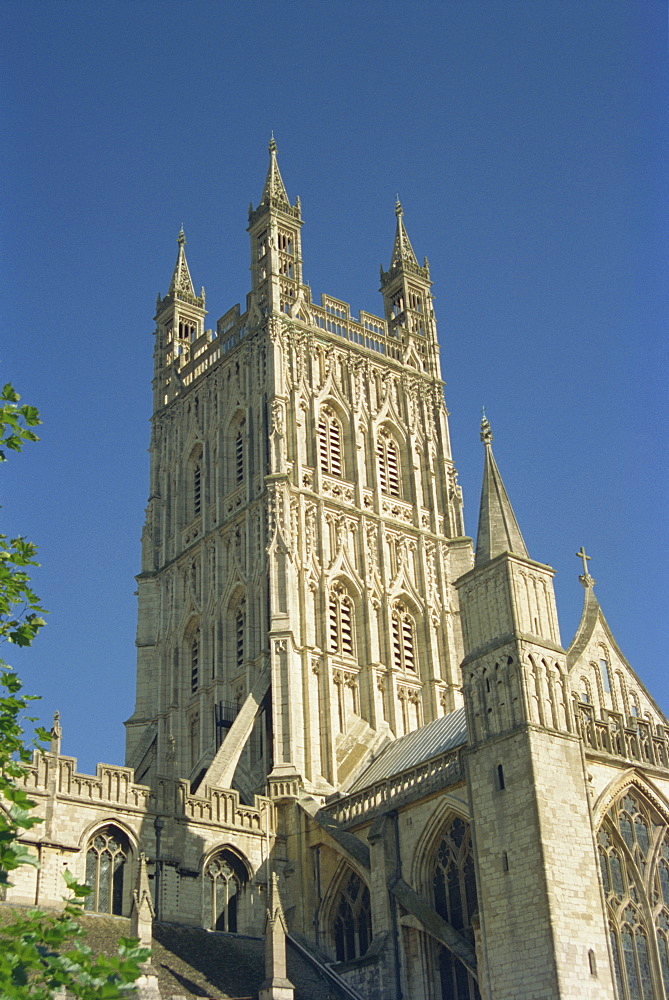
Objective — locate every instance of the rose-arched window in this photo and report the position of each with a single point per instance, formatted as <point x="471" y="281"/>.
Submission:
<point x="454" y="888"/>
<point x="352" y="923"/>
<point x="225" y="877"/>
<point x="633" y="845"/>
<point x="106" y="860"/>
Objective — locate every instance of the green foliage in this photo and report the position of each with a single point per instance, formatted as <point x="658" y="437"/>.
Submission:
<point x="40" y="954"/>
<point x="15" y="421"/>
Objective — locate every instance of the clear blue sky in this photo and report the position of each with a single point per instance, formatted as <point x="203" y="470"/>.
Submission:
<point x="528" y="143"/>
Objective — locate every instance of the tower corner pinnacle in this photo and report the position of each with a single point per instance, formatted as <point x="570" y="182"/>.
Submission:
<point x="498" y="529"/>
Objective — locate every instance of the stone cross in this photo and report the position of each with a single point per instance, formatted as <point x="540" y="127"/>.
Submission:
<point x="585" y="559"/>
<point x="585" y="577"/>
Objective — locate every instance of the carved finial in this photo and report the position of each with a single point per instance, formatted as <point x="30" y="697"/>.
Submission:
<point x="142" y="912"/>
<point x="181" y="238"/>
<point x="56" y="733"/>
<point x="486" y="430"/>
<point x="398" y="207"/>
<point x="272" y="143"/>
<point x="585" y="577"/>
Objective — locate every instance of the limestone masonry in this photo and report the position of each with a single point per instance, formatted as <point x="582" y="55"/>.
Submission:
<point x="355" y="734"/>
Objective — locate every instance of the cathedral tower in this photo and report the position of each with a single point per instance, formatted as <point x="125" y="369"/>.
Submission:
<point x="541" y="906"/>
<point x="304" y="529"/>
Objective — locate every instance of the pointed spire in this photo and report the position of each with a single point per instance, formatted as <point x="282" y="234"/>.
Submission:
<point x="181" y="279"/>
<point x="498" y="529"/>
<point x="274" y="191"/>
<point x="404" y="260"/>
<point x="402" y="249"/>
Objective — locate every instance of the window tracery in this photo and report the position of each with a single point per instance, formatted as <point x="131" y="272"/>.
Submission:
<point x="352" y="923"/>
<point x="454" y="890"/>
<point x="633" y="846"/>
<point x="226" y="877"/>
<point x="106" y="858"/>
<point x="329" y="443"/>
<point x="387" y="454"/>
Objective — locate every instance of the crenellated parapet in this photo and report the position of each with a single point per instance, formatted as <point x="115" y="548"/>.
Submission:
<point x="114" y="788"/>
<point x="636" y="741"/>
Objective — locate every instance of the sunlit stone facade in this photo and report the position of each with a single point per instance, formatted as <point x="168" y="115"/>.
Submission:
<point x="340" y="697"/>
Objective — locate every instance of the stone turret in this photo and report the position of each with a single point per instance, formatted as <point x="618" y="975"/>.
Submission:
<point x="276" y="247"/>
<point x="408" y="301"/>
<point x="535" y="854"/>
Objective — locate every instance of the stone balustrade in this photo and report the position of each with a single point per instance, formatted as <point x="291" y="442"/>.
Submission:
<point x="431" y="775"/>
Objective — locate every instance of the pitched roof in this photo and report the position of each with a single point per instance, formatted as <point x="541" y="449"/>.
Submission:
<point x="446" y="733"/>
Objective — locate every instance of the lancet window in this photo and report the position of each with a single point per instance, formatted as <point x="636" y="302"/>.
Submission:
<point x="341" y="621"/>
<point x="633" y="845"/>
<point x="454" y="889"/>
<point x="195" y="663"/>
<point x="329" y="443"/>
<point x="403" y="638"/>
<point x="106" y="860"/>
<point x="197" y="490"/>
<point x="240" y="630"/>
<point x="239" y="455"/>
<point x="387" y="454"/>
<point x="352" y="923"/>
<point x="226" y="878"/>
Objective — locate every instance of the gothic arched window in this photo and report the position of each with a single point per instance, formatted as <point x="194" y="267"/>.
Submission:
<point x="106" y="858"/>
<point x="454" y="887"/>
<point x="197" y="490"/>
<point x="329" y="443"/>
<point x="352" y="924"/>
<point x="195" y="663"/>
<point x="226" y="876"/>
<point x="404" y="638"/>
<point x="633" y="845"/>
<point x="341" y="621"/>
<point x="239" y="456"/>
<point x="387" y="454"/>
<point x="240" y="628"/>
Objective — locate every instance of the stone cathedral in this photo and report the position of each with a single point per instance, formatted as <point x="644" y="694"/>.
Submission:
<point x="357" y="735"/>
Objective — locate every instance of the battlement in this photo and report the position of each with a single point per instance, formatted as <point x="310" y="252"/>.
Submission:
<point x="332" y="317"/>
<point x="54" y="774"/>
<point x="632" y="739"/>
